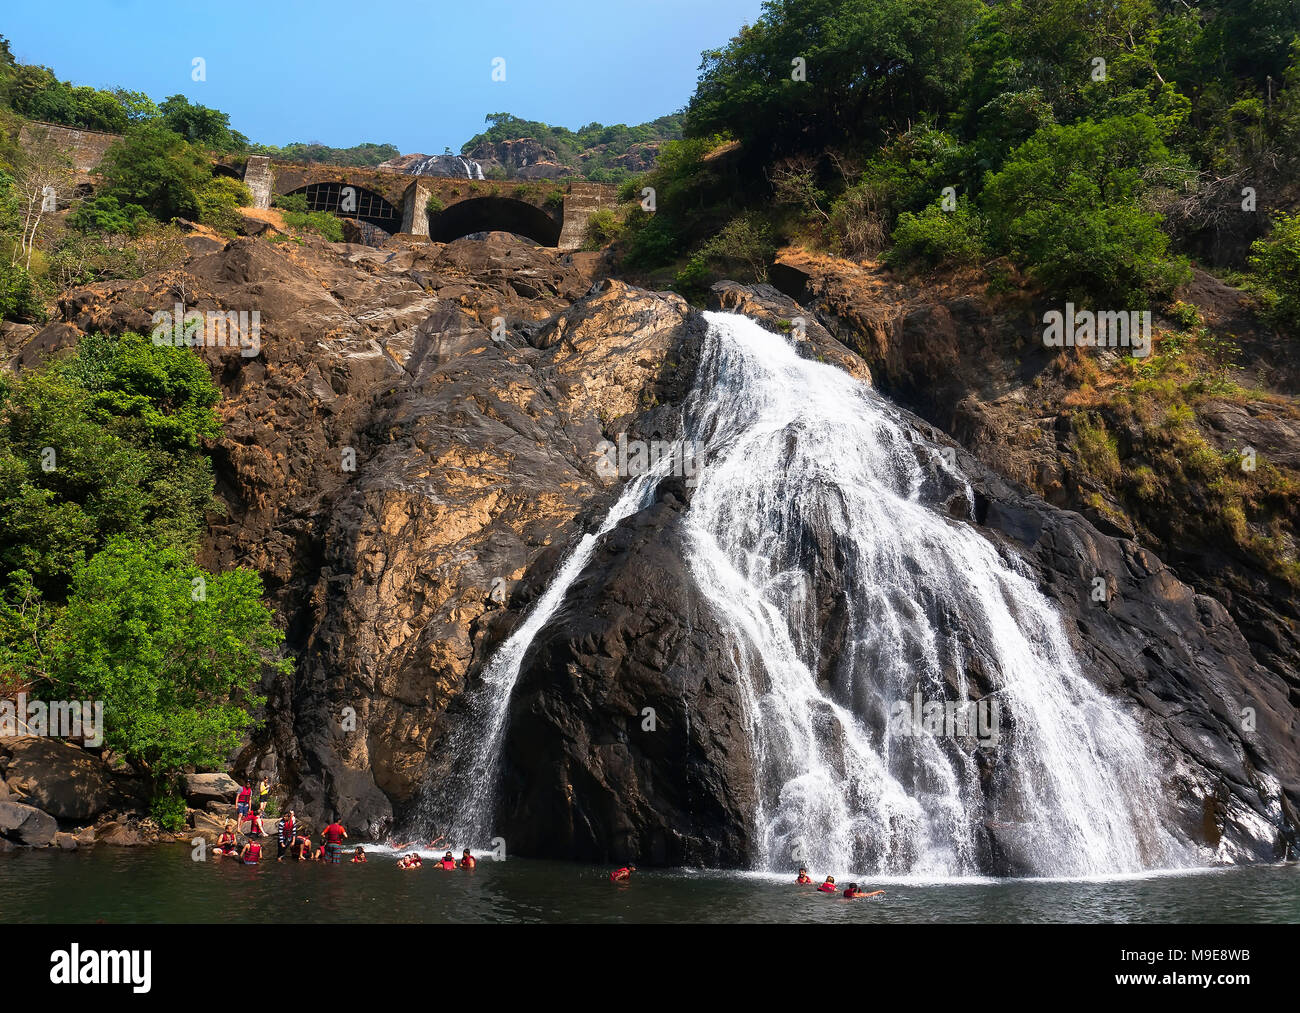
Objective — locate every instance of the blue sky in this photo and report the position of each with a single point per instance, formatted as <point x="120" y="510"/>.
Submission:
<point x="415" y="74"/>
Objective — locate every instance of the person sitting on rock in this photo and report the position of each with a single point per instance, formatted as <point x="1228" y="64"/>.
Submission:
<point x="804" y="879"/>
<point x="251" y="854"/>
<point x="829" y="886"/>
<point x="852" y="892"/>
<point x="255" y="828"/>
<point x="226" y="843"/>
<point x="302" y="848"/>
<point x="622" y="875"/>
<point x="467" y="860"/>
<point x="359" y="856"/>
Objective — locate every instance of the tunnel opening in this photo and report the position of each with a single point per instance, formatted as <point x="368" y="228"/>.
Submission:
<point x="350" y="201"/>
<point x="493" y="214"/>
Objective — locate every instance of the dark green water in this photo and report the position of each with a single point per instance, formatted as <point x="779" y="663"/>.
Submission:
<point x="164" y="885"/>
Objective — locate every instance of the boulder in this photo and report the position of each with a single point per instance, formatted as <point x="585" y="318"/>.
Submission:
<point x="62" y="779"/>
<point x="68" y="842"/>
<point x="202" y="789"/>
<point x="27" y="824"/>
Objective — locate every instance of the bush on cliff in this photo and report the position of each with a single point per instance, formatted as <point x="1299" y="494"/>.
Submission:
<point x="105" y="442"/>
<point x="1275" y="260"/>
<point x="1070" y="204"/>
<point x="157" y="169"/>
<point x="175" y="653"/>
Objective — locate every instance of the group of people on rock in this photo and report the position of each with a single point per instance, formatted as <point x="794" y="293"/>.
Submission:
<point x="292" y="841"/>
<point x="851" y="892"/>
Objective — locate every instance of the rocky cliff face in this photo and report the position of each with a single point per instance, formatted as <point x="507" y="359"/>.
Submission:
<point x="417" y="448"/>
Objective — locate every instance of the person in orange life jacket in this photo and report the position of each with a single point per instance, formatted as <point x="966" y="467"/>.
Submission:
<point x="852" y="892"/>
<point x="359" y="857"/>
<point x="286" y="831"/>
<point x="226" y="843"/>
<point x="804" y="879"/>
<point x="467" y="860"/>
<point x="829" y="886"/>
<point x="243" y="801"/>
<point x="251" y="854"/>
<point x="332" y="843"/>
<point x="447" y="862"/>
<point x="622" y="875"/>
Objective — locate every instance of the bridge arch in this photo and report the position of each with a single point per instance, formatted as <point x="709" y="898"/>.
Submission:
<point x="348" y="200"/>
<point x="494" y="214"/>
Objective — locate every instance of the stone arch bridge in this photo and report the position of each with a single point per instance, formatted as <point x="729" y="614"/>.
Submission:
<point x="440" y="208"/>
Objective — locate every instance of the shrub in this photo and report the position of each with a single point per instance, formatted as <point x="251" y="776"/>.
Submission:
<point x="603" y="227"/>
<point x="219" y="202"/>
<point x="745" y="240"/>
<point x="1275" y="259"/>
<point x="934" y="236"/>
<point x="1068" y="205"/>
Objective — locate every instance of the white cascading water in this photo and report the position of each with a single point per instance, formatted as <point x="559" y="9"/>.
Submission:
<point x="815" y="495"/>
<point x="808" y="471"/>
<point x="462" y="807"/>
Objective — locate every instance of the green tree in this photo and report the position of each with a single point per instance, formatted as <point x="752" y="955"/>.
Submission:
<point x="174" y="653"/>
<point x="158" y="170"/>
<point x="1275" y="259"/>
<point x="1068" y="205"/>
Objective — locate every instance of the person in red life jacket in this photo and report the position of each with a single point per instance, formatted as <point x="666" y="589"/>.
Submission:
<point x="226" y="843"/>
<point x="852" y="892"/>
<point x="829" y="886"/>
<point x="301" y="849"/>
<point x="251" y="854"/>
<point x="622" y="875"/>
<point x="332" y="838"/>
<point x="255" y="828"/>
<point x="447" y="862"/>
<point x="411" y="861"/>
<point x="243" y="801"/>
<point x="359" y="857"/>
<point x="467" y="860"/>
<point x="804" y="879"/>
<point x="286" y="832"/>
<point x="319" y="855"/>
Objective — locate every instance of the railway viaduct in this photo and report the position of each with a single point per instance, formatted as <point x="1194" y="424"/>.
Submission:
<point x="437" y="207"/>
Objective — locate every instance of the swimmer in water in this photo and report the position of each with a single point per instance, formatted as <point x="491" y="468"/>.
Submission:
<point x="852" y="892"/>
<point x="804" y="879"/>
<point x="829" y="886"/>
<point x="467" y="860"/>
<point x="622" y="875"/>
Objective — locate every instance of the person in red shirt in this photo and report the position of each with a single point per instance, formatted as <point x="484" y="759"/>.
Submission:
<point x="804" y="879"/>
<point x="243" y="802"/>
<point x="226" y="843"/>
<point x="829" y="886"/>
<point x="333" y="837"/>
<point x="622" y="875"/>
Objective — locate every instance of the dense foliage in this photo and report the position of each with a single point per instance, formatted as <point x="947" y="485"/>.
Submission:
<point x="104" y="484"/>
<point x="595" y="148"/>
<point x="1098" y="144"/>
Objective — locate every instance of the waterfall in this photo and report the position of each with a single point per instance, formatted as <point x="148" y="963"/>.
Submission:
<point x="821" y="531"/>
<point x="461" y="803"/>
<point x="809" y="472"/>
